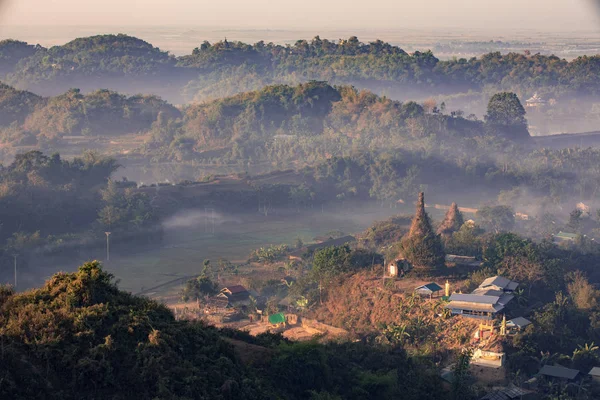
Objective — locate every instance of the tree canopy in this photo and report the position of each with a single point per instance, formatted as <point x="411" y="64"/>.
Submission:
<point x="506" y="116"/>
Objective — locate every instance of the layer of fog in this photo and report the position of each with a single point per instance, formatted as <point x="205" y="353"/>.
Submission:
<point x="193" y="218"/>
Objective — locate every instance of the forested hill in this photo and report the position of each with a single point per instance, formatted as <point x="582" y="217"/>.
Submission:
<point x="26" y="117"/>
<point x="79" y="336"/>
<point x="228" y="67"/>
<point x="106" y="61"/>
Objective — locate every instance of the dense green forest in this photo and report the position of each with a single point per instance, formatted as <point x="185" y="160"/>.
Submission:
<point x="228" y="67"/>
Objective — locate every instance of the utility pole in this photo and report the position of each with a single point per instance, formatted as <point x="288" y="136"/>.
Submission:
<point x="209" y="220"/>
<point x="107" y="246"/>
<point x="15" y="257"/>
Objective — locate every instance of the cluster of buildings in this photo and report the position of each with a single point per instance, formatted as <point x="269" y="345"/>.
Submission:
<point x="228" y="298"/>
<point x="491" y="297"/>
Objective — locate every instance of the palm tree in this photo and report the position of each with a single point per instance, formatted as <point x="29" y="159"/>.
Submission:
<point x="546" y="358"/>
<point x="585" y="357"/>
<point x="396" y="333"/>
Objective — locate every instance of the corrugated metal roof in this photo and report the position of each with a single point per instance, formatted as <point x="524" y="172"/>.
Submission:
<point x="235" y="289"/>
<point x="488" y="292"/>
<point x="498" y="395"/>
<point x="515" y="392"/>
<point x="595" y="371"/>
<point x="499" y="281"/>
<point x="519" y="322"/>
<point x="558" y="371"/>
<point x="452" y="257"/>
<point x="432" y="287"/>
<point x="474" y="298"/>
<point x="512" y="286"/>
<point x="507" y="393"/>
<point x="461" y="305"/>
<point x="505" y="298"/>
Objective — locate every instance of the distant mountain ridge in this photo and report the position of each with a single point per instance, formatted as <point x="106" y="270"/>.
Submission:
<point x="131" y="65"/>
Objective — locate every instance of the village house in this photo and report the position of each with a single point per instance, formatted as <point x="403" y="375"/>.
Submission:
<point x="477" y="306"/>
<point x="535" y="101"/>
<point x="498" y="283"/>
<point x="488" y="359"/>
<point x="216" y="304"/>
<point x="236" y="294"/>
<point x="518" y="323"/>
<point x="558" y="372"/>
<point x="510" y="393"/>
<point x="486" y="301"/>
<point x="595" y="374"/>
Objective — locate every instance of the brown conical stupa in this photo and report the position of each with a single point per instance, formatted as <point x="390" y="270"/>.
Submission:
<point x="452" y="222"/>
<point x="421" y="225"/>
<point x="422" y="246"/>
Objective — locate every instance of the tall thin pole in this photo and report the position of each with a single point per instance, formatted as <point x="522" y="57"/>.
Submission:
<point x="15" y="257"/>
<point x="107" y="246"/>
<point x="212" y="218"/>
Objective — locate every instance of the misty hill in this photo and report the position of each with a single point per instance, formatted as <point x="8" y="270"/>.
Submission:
<point x="13" y="51"/>
<point x="272" y="109"/>
<point x="104" y="61"/>
<point x="79" y="336"/>
<point x="16" y="105"/>
<point x="228" y="67"/>
<point x="101" y="112"/>
<point x="312" y="119"/>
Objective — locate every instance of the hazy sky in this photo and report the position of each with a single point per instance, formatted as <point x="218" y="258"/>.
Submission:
<point x="547" y="15"/>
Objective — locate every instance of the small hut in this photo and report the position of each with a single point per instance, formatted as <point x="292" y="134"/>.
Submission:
<point x="518" y="323"/>
<point x="595" y="374"/>
<point x="398" y="268"/>
<point x="277" y="319"/>
<point x="558" y="372"/>
<point x="535" y="101"/>
<point x="429" y="289"/>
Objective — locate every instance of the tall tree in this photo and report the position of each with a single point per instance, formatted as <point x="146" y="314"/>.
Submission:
<point x="506" y="116"/>
<point x="496" y="218"/>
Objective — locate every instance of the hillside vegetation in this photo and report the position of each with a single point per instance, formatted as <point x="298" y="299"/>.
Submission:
<point x="26" y="118"/>
<point x="78" y="336"/>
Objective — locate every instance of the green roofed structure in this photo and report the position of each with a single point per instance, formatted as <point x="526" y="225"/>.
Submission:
<point x="565" y="236"/>
<point x="430" y="289"/>
<point x="277" y="319"/>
